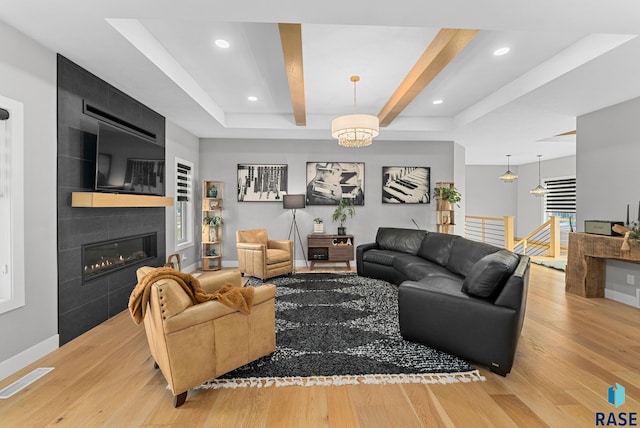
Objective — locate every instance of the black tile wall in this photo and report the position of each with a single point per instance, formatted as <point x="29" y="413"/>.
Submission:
<point x="82" y="306"/>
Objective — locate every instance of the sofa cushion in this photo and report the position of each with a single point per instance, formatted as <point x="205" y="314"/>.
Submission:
<point x="436" y="247"/>
<point x="465" y="253"/>
<point x="402" y="261"/>
<point x="277" y="256"/>
<point x="396" y="239"/>
<point x="416" y="272"/>
<point x="490" y="273"/>
<point x="381" y="257"/>
<point x="450" y="286"/>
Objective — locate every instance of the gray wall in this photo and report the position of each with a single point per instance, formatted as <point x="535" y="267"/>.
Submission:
<point x="28" y="75"/>
<point x="608" y="149"/>
<point x="491" y="197"/>
<point x="488" y="196"/>
<point x="219" y="159"/>
<point x="530" y="208"/>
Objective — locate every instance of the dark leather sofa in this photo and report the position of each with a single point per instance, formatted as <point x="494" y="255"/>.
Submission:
<point x="463" y="297"/>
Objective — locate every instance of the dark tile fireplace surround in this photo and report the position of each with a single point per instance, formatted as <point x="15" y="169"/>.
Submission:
<point x="84" y="302"/>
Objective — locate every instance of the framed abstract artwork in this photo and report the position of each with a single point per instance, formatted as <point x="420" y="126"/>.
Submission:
<point x="328" y="182"/>
<point x="262" y="182"/>
<point x="406" y="184"/>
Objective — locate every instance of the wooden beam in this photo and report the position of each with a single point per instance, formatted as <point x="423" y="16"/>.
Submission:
<point x="567" y="133"/>
<point x="443" y="49"/>
<point x="291" y="39"/>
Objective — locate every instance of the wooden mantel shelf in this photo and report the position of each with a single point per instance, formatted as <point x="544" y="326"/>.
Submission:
<point x="117" y="200"/>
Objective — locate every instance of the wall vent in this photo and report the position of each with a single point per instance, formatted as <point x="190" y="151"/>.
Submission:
<point x="23" y="382"/>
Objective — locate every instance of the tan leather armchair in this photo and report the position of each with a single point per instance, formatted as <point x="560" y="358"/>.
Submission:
<point x="195" y="343"/>
<point x="262" y="257"/>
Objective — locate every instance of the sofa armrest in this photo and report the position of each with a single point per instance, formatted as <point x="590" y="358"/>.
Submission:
<point x="514" y="292"/>
<point x="360" y="250"/>
<point x="474" y="329"/>
<point x="281" y="244"/>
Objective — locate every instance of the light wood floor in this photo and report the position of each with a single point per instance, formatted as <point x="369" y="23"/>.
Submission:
<point x="570" y="351"/>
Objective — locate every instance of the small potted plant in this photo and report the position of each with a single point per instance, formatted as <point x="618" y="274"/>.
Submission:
<point x="447" y="196"/>
<point x="344" y="210"/>
<point x="318" y="225"/>
<point x="214" y="223"/>
<point x="213" y="191"/>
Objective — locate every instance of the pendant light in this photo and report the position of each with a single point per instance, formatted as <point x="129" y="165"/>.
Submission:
<point x="539" y="190"/>
<point x="355" y="130"/>
<point x="508" y="176"/>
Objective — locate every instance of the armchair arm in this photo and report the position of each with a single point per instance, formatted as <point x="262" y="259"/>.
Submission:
<point x="248" y="246"/>
<point x="208" y="311"/>
<point x="213" y="282"/>
<point x="281" y="244"/>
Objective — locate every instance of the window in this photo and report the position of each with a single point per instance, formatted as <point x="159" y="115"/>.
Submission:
<point x="11" y="205"/>
<point x="560" y="201"/>
<point x="184" y="203"/>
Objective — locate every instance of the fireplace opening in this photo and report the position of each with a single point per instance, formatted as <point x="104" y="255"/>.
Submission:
<point x="101" y="258"/>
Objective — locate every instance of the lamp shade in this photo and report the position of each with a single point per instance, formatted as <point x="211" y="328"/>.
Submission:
<point x="539" y="190"/>
<point x="290" y="202"/>
<point x="355" y="130"/>
<point x="508" y="176"/>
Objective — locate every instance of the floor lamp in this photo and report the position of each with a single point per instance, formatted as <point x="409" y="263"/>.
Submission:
<point x="294" y="202"/>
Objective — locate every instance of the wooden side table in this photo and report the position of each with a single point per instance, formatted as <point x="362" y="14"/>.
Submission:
<point x="330" y="249"/>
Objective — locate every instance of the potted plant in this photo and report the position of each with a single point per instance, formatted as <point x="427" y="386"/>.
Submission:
<point x="447" y="196"/>
<point x="214" y="223"/>
<point x="318" y="225"/>
<point x="344" y="210"/>
<point x="213" y="191"/>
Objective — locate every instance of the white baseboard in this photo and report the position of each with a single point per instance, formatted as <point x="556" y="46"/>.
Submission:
<point x="28" y="356"/>
<point x="621" y="297"/>
<point x="192" y="267"/>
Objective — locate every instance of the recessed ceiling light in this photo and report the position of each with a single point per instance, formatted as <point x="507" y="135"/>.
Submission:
<point x="436" y="102"/>
<point x="501" y="51"/>
<point x="222" y="43"/>
<point x="252" y="98"/>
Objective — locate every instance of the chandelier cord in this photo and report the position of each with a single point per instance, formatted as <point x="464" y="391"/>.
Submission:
<point x="539" y="178"/>
<point x="354" y="96"/>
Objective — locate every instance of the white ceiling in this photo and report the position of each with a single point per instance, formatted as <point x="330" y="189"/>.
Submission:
<point x="567" y="58"/>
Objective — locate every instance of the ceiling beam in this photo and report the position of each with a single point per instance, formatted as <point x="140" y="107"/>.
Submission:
<point x="291" y="39"/>
<point x="443" y="49"/>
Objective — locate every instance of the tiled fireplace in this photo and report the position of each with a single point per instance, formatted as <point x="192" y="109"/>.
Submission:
<point x="102" y="258"/>
<point x="99" y="249"/>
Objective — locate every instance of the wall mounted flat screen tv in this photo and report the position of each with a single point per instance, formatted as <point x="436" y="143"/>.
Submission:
<point x="127" y="163"/>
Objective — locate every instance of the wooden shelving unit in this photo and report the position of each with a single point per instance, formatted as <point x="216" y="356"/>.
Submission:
<point x="117" y="200"/>
<point x="212" y="197"/>
<point x="445" y="214"/>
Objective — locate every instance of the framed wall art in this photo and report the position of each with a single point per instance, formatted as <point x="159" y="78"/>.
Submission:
<point x="262" y="182"/>
<point x="406" y="184"/>
<point x="328" y="182"/>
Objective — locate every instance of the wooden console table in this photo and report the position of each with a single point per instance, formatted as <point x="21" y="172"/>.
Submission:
<point x="586" y="262"/>
<point x="330" y="249"/>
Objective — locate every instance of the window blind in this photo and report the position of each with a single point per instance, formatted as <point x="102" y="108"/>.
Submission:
<point x="561" y="196"/>
<point x="183" y="182"/>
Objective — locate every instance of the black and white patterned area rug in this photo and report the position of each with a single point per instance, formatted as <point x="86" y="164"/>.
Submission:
<point x="337" y="329"/>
